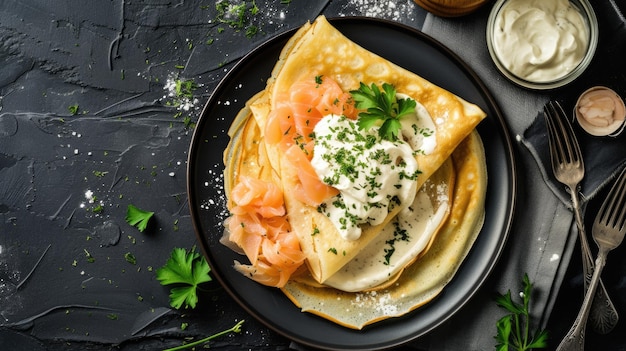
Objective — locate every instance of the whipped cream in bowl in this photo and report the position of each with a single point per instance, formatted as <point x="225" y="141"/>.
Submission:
<point x="541" y="44"/>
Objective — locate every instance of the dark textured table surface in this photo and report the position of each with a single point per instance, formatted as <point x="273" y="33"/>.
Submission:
<point x="89" y="125"/>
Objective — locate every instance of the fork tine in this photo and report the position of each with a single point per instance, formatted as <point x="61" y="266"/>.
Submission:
<point x="613" y="210"/>
<point x="556" y="154"/>
<point x="566" y="139"/>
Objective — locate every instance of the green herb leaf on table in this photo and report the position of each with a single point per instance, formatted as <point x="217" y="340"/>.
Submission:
<point x="187" y="269"/>
<point x="382" y="109"/>
<point x="138" y="217"/>
<point x="513" y="330"/>
<point x="73" y="109"/>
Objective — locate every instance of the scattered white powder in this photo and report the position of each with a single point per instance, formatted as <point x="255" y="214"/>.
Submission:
<point x="381" y="302"/>
<point x="217" y="183"/>
<point x="181" y="102"/>
<point x="388" y="9"/>
<point x="89" y="196"/>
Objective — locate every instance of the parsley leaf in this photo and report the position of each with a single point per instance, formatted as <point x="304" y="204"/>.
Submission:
<point x="137" y="217"/>
<point x="188" y="269"/>
<point x="382" y="109"/>
<point x="513" y="330"/>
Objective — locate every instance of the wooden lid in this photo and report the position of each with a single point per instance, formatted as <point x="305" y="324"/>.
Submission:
<point x="450" y="8"/>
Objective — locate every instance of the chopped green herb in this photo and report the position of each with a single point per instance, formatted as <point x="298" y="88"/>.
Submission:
<point x="185" y="88"/>
<point x="252" y="31"/>
<point x="73" y="109"/>
<point x="137" y="217"/>
<point x="100" y="174"/>
<point x="237" y="15"/>
<point x="90" y="258"/>
<point x="130" y="258"/>
<point x="98" y="208"/>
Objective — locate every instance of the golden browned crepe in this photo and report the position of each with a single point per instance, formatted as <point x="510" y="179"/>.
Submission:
<point x="318" y="49"/>
<point x="457" y="160"/>
<point x="427" y="276"/>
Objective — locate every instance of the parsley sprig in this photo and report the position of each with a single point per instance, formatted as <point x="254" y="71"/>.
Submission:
<point x="187" y="270"/>
<point x="514" y="328"/>
<point x="382" y="109"/>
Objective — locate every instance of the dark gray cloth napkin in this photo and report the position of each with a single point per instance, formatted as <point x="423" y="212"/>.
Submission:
<point x="543" y="237"/>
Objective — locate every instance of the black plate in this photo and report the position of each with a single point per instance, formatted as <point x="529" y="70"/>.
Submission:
<point x="408" y="48"/>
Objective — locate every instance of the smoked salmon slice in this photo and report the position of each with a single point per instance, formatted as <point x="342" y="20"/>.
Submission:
<point x="258" y="225"/>
<point x="291" y="123"/>
<point x="258" y="222"/>
<point x="311" y="190"/>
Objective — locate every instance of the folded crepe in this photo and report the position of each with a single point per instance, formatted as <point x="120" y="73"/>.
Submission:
<point x="320" y="50"/>
<point x="424" y="279"/>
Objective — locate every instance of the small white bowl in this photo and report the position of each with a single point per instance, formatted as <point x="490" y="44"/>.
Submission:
<point x="600" y="111"/>
<point x="590" y="21"/>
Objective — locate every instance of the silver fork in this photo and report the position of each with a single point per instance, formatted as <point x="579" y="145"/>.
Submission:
<point x="608" y="232"/>
<point x="569" y="169"/>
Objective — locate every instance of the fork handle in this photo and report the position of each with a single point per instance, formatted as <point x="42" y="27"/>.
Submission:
<point x="603" y="315"/>
<point x="574" y="340"/>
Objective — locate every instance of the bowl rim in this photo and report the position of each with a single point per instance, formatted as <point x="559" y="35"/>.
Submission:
<point x="615" y="128"/>
<point x="590" y="17"/>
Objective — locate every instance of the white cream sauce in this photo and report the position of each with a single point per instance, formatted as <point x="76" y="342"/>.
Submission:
<point x="397" y="245"/>
<point x="540" y="40"/>
<point x="372" y="175"/>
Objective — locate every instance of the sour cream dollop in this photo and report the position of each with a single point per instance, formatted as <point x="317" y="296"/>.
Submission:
<point x="539" y="40"/>
<point x="372" y="175"/>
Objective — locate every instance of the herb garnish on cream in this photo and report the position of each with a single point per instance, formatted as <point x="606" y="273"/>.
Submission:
<point x="372" y="173"/>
